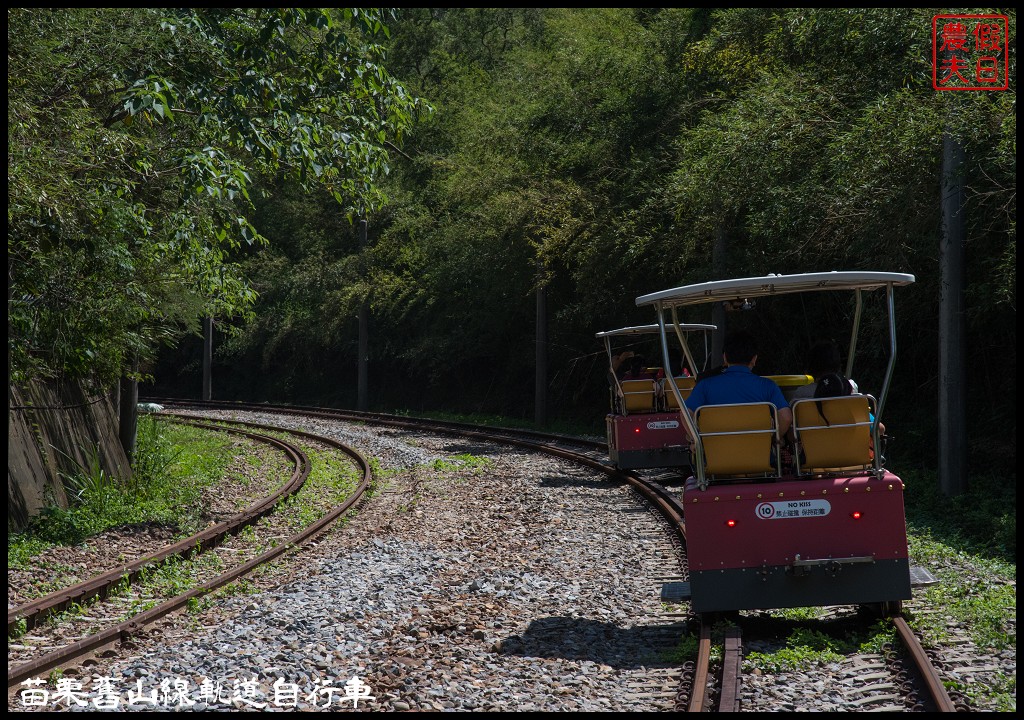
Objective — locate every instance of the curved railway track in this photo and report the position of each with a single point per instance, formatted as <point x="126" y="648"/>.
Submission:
<point x="701" y="688"/>
<point x="581" y="451"/>
<point x="101" y="585"/>
<point x="700" y="685"/>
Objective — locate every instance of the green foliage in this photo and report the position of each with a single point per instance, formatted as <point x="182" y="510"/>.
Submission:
<point x="984" y="522"/>
<point x="200" y="604"/>
<point x="155" y="452"/>
<point x="801" y="613"/>
<point x="89" y="478"/>
<point x="458" y="463"/>
<point x="171" y="496"/>
<point x="601" y="153"/>
<point x="20" y="628"/>
<point x="999" y="693"/>
<point x="984" y="606"/>
<point x="685" y="650"/>
<point x="803" y="648"/>
<point x="21" y="548"/>
<point x="177" y="576"/>
<point x="135" y="138"/>
<point x="976" y="542"/>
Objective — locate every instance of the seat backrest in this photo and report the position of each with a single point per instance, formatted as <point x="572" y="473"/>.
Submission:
<point x="638" y="396"/>
<point x="685" y="385"/>
<point x="838" y="436"/>
<point x="737" y="439"/>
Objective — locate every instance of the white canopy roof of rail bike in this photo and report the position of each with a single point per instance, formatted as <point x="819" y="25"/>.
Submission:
<point x="650" y="329"/>
<point x="745" y="288"/>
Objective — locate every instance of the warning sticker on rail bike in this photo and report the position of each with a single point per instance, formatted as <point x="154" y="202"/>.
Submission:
<point x="662" y="424"/>
<point x="793" y="509"/>
<point x="970" y="52"/>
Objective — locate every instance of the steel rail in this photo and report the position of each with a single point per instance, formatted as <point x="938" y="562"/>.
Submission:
<point x="384" y="418"/>
<point x="100" y="585"/>
<point x="126" y="629"/>
<point x="698" y="696"/>
<point x="923" y="664"/>
<point x="665" y="501"/>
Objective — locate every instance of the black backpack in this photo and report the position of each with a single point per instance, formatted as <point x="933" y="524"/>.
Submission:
<point x="831" y="385"/>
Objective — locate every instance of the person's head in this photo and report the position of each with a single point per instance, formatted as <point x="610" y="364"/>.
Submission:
<point x="823" y="359"/>
<point x="636" y="364"/>
<point x="739" y="348"/>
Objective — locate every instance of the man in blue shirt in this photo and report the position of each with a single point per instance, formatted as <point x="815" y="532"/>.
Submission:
<point x="738" y="383"/>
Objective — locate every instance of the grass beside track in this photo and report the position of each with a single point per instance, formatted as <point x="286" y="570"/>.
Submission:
<point x="173" y="465"/>
<point x="968" y="543"/>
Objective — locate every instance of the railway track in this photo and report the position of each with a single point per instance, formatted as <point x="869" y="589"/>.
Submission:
<point x="33" y="612"/>
<point x="694" y="685"/>
<point x="699" y="689"/>
<point x="102" y="585"/>
<point x="664" y="685"/>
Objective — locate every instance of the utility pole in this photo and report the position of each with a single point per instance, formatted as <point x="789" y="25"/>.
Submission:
<point x="207" y="358"/>
<point x="363" y="384"/>
<point x="952" y="325"/>
<point x="719" y="252"/>
<point x="128" y="410"/>
<point x="540" y="410"/>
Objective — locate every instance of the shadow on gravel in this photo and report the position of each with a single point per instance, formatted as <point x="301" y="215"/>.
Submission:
<point x="561" y="481"/>
<point x="465" y="447"/>
<point x="600" y="642"/>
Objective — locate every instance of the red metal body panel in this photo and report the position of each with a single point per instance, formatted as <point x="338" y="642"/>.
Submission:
<point x="774" y="523"/>
<point x="646" y="432"/>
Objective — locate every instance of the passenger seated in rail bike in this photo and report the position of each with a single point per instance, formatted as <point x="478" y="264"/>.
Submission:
<point x="825" y="366"/>
<point x="822" y="359"/>
<point x="619" y="366"/>
<point x="638" y="370"/>
<point x="615" y="375"/>
<point x="645" y="385"/>
<point x="737" y="383"/>
<point x="835" y="384"/>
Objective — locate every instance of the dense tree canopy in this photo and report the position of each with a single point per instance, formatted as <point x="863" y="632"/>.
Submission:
<point x="135" y="136"/>
<point x="597" y="153"/>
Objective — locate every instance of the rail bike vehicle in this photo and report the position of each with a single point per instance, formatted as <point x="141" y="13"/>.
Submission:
<point x="828" y="528"/>
<point x="643" y="426"/>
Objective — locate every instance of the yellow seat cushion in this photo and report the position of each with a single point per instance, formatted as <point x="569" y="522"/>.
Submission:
<point x="638" y="396"/>
<point x="837" y="437"/>
<point x="737" y="439"/>
<point x="685" y="385"/>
